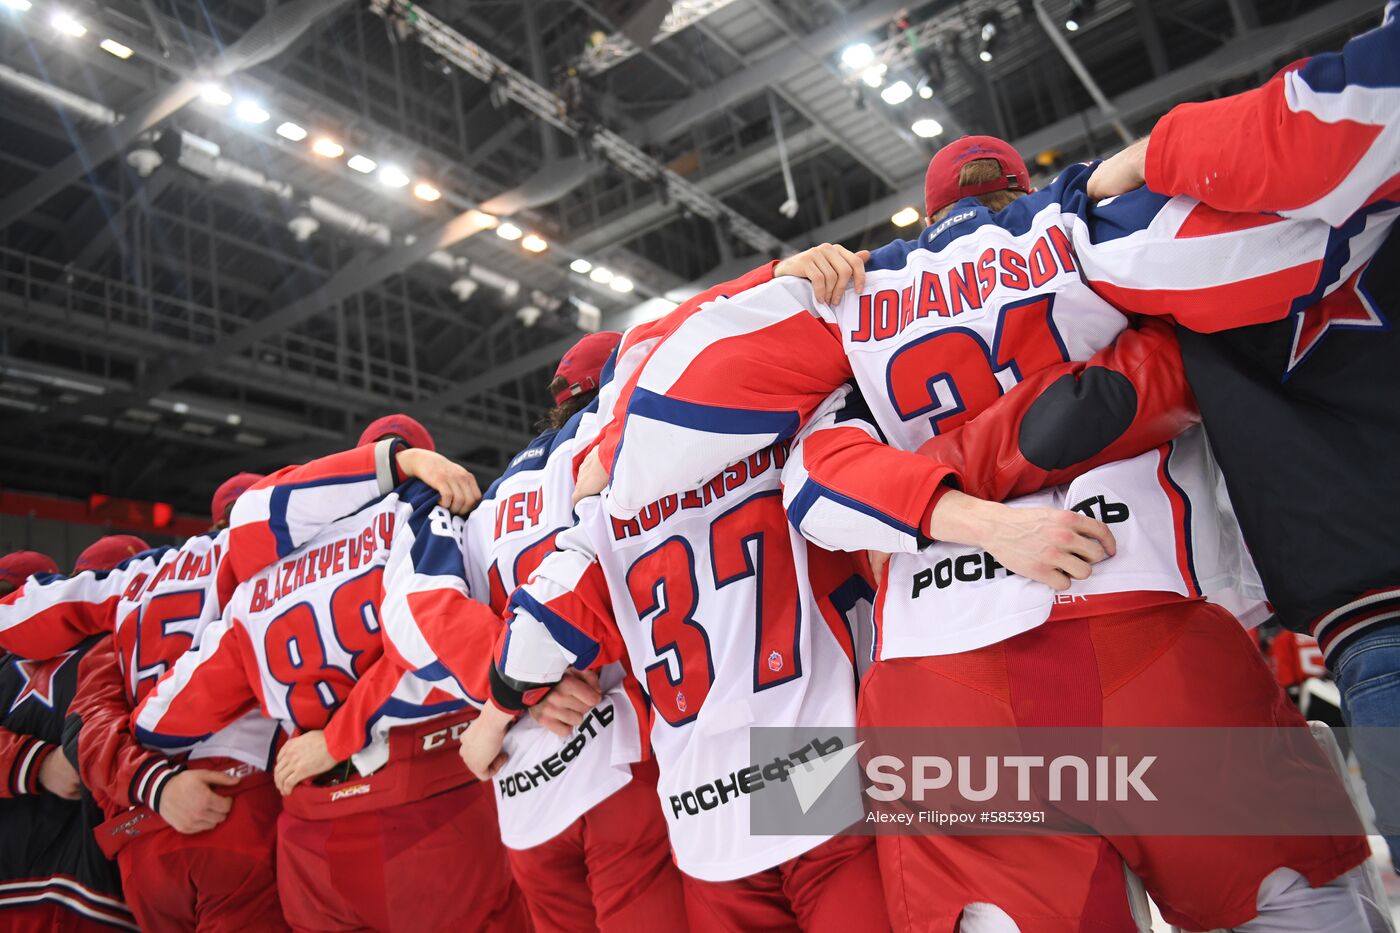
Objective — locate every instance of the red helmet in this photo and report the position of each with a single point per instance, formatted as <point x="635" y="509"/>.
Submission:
<point x="401" y="426"/>
<point x="941" y="186"/>
<point x="106" y="553"/>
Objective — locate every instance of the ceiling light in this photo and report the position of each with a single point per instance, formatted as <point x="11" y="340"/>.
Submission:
<point x="905" y="217"/>
<point x="897" y="93"/>
<point x="601" y="275"/>
<point x="392" y="176"/>
<point x="426" y="192"/>
<point x="113" y="46"/>
<point x="362" y="164"/>
<point x="250" y="111"/>
<point x="989" y="31"/>
<point x="19" y="6"/>
<point x="213" y="94"/>
<point x="581" y="266"/>
<point x="926" y="92"/>
<point x="621" y="284"/>
<point x="873" y="76"/>
<point x="180" y="408"/>
<point x="927" y="127"/>
<point x="509" y="231"/>
<point x="67" y="25"/>
<point x="534" y="243"/>
<point x="328" y="148"/>
<point x="858" y="56"/>
<point x="291" y="131"/>
<point x="233" y="419"/>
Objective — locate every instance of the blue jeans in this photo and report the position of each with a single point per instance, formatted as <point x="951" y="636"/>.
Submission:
<point x="1368" y="674"/>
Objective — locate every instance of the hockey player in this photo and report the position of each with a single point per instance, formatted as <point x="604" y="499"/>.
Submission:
<point x="1295" y="403"/>
<point x="581" y="822"/>
<point x="188" y="856"/>
<point x="53" y="876"/>
<point x="729" y="621"/>
<point x="399" y="835"/>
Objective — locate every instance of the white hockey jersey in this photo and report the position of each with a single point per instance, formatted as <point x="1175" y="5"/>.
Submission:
<point x="368" y="620"/>
<point x="550" y="781"/>
<point x="728" y="619"/>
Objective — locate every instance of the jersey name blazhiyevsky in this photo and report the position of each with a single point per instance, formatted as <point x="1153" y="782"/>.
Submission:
<point x="331" y="558"/>
<point x="948" y="294"/>
<point x="729" y="479"/>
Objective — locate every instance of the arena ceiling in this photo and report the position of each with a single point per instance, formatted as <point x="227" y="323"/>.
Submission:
<point x="191" y="289"/>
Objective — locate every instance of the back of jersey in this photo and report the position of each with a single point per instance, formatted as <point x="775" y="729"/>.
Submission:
<point x="731" y="621"/>
<point x="947" y="324"/>
<point x="301" y="639"/>
<point x="543" y="789"/>
<point x="312" y="619"/>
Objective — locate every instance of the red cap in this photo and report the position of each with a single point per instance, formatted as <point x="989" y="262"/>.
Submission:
<point x="21" y="565"/>
<point x="401" y="426"/>
<point x="106" y="553"/>
<point x="229" y="490"/>
<point x="582" y="365"/>
<point x="941" y="186"/>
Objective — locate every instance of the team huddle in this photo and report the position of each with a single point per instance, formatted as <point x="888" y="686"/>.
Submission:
<point x="1042" y="466"/>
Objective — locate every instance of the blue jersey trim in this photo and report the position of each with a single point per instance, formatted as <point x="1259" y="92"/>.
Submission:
<point x="584" y="649"/>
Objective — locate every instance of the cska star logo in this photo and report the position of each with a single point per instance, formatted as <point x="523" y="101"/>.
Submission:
<point x="775" y="662"/>
<point x="38" y="679"/>
<point x="1348" y="307"/>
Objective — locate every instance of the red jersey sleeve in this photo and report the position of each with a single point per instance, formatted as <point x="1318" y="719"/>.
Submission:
<point x="348" y="729"/>
<point x="1126" y="399"/>
<point x="204" y="691"/>
<point x="561" y="618"/>
<point x="51" y="614"/>
<point x="287" y="508"/>
<point x="1321" y="140"/>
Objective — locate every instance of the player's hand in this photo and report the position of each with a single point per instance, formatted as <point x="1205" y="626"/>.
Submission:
<point x="481" y="743"/>
<point x="454" y="483"/>
<point x="878" y="561"/>
<point x="830" y="267"/>
<point x="1053" y="546"/>
<point x="58" y="777"/>
<point x="565" y="706"/>
<point x="304" y="756"/>
<point x="189" y="803"/>
<point x="1120" y="173"/>
<point x="591" y="477"/>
